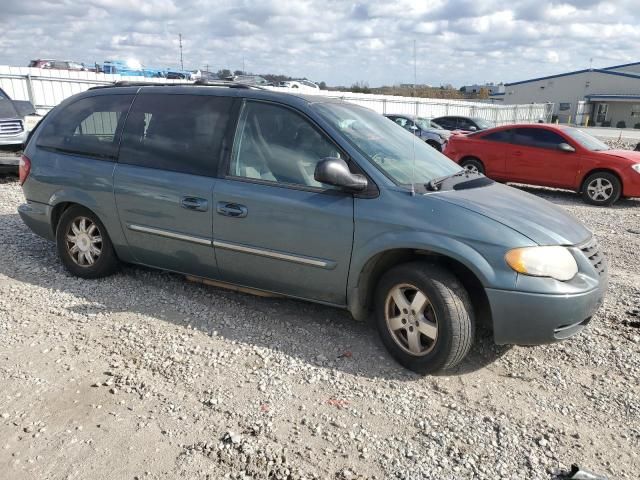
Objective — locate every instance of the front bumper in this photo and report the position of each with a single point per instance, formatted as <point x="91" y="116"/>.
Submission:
<point x="533" y="318"/>
<point x="14" y="140"/>
<point x="9" y="162"/>
<point x="631" y="183"/>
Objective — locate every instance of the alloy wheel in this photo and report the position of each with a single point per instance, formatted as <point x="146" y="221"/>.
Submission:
<point x="470" y="167"/>
<point x="411" y="319"/>
<point x="84" y="241"/>
<point x="600" y="189"/>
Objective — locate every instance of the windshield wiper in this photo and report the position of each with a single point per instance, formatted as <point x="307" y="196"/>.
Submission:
<point x="434" y="185"/>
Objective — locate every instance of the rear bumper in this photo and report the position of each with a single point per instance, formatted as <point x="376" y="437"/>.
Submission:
<point x="522" y="318"/>
<point x="37" y="217"/>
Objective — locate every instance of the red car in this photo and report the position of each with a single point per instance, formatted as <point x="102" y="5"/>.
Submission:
<point x="552" y="156"/>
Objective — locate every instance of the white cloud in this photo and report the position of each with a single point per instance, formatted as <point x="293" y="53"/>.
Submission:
<point x="458" y="41"/>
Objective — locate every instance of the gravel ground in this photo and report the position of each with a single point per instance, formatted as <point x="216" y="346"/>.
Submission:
<point x="145" y="375"/>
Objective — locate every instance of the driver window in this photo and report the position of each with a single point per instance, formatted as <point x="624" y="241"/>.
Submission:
<point x="275" y="144"/>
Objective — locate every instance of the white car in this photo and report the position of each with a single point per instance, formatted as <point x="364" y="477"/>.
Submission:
<point x="424" y="128"/>
<point x="300" y="85"/>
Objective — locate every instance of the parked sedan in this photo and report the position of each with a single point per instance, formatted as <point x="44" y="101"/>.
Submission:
<point x="553" y="156"/>
<point x="424" y="128"/>
<point x="465" y="124"/>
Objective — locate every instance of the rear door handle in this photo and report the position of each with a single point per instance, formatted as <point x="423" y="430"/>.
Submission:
<point x="194" y="203"/>
<point x="232" y="210"/>
<point x="517" y="153"/>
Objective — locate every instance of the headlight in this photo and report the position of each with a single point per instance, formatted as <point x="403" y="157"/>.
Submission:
<point x="636" y="167"/>
<point x="554" y="262"/>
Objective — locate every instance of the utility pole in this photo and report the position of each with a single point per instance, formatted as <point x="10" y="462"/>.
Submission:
<point x="415" y="69"/>
<point x="181" y="62"/>
<point x="243" y="72"/>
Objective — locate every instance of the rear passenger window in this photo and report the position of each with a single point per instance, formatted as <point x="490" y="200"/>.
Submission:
<point x="180" y="133"/>
<point x="91" y="126"/>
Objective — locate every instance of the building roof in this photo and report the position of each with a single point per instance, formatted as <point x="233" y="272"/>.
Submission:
<point x="612" y="97"/>
<point x="606" y="71"/>
<point x="633" y="64"/>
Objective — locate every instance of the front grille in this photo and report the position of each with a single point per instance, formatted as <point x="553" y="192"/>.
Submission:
<point x="591" y="250"/>
<point x="10" y="127"/>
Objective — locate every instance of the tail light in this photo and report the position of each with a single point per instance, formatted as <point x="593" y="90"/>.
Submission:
<point x="24" y="169"/>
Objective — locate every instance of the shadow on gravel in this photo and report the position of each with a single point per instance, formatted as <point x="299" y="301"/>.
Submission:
<point x="316" y="334"/>
<point x="566" y="197"/>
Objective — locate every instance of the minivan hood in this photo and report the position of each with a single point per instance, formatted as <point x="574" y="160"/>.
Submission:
<point x="7" y="109"/>
<point x="537" y="219"/>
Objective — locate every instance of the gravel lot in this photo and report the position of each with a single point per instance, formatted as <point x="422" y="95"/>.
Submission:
<point x="145" y="375"/>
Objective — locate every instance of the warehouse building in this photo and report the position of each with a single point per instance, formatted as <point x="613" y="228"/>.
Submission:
<point x="601" y="97"/>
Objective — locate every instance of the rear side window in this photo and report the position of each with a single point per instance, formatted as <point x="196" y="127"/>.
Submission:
<point x="537" y="137"/>
<point x="448" y="123"/>
<point x="500" y="136"/>
<point x="91" y="127"/>
<point x="180" y="133"/>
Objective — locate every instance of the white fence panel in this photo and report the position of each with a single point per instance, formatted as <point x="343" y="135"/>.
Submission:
<point x="46" y="88"/>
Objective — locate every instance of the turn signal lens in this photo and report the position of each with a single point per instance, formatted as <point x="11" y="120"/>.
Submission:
<point x="555" y="262"/>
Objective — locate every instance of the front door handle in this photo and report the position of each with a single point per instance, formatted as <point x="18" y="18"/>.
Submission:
<point x="232" y="210"/>
<point x="194" y="203"/>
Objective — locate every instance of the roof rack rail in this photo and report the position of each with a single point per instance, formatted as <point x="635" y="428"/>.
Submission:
<point x="197" y="83"/>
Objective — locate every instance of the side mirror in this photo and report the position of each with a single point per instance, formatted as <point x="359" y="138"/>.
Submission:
<point x="472" y="128"/>
<point x="413" y="128"/>
<point x="335" y="171"/>
<point x="565" y="147"/>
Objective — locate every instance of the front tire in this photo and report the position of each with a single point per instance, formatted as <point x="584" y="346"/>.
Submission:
<point x="424" y="317"/>
<point x="83" y="244"/>
<point x="602" y="189"/>
<point x="472" y="165"/>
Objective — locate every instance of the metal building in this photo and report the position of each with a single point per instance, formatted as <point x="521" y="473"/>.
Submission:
<point x="602" y="97"/>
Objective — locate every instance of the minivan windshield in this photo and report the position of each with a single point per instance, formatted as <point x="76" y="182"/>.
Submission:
<point x="395" y="151"/>
<point x="586" y="140"/>
<point x="427" y="123"/>
<point x="484" y="124"/>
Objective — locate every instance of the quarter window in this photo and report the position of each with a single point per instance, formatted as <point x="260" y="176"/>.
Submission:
<point x="275" y="144"/>
<point x="90" y="126"/>
<point x="180" y="133"/>
<point x="537" y="137"/>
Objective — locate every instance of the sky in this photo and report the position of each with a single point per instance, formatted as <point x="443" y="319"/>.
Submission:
<point x="458" y="42"/>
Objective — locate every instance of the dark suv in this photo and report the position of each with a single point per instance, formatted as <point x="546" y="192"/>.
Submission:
<point x="312" y="198"/>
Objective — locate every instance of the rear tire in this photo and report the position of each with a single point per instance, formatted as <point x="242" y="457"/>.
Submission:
<point x="473" y="165"/>
<point x="424" y="317"/>
<point x="435" y="145"/>
<point x="83" y="244"/>
<point x="602" y="189"/>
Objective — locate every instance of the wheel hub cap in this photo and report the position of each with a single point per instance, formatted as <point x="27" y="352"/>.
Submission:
<point x="84" y="241"/>
<point x="600" y="189"/>
<point x="411" y="319"/>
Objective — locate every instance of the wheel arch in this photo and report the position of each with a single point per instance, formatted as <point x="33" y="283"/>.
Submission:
<point x="598" y="170"/>
<point x="361" y="297"/>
